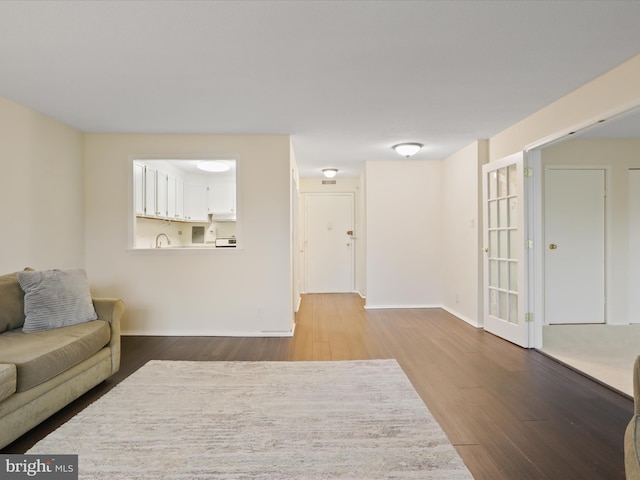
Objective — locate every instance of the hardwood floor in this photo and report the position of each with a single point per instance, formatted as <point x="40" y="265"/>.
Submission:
<point x="513" y="414"/>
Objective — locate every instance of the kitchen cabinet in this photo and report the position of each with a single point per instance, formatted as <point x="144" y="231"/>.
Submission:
<point x="161" y="194"/>
<point x="196" y="202"/>
<point x="162" y="191"/>
<point x="138" y="187"/>
<point x="149" y="192"/>
<point x="175" y="198"/>
<point x="179" y="199"/>
<point x="222" y="199"/>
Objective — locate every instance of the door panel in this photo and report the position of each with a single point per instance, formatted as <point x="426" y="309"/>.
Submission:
<point x="504" y="285"/>
<point x="574" y="221"/>
<point x="329" y="242"/>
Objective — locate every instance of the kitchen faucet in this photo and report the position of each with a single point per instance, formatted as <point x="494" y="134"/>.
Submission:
<point x="158" y="244"/>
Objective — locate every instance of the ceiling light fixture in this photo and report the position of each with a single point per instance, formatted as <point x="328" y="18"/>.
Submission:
<point x="213" y="166"/>
<point x="330" y="172"/>
<point x="407" y="149"/>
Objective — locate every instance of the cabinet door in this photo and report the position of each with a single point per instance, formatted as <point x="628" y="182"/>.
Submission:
<point x="161" y="194"/>
<point x="138" y="188"/>
<point x="149" y="192"/>
<point x="171" y="197"/>
<point x="196" y="202"/>
<point x="222" y="198"/>
<point x="179" y="199"/>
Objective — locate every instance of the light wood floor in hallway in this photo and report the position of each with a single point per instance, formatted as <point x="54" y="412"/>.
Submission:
<point x="512" y="414"/>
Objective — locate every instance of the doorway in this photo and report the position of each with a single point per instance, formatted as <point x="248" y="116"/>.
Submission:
<point x="574" y="254"/>
<point x="329" y="238"/>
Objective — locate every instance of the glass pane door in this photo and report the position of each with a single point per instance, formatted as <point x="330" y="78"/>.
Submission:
<point x="504" y="249"/>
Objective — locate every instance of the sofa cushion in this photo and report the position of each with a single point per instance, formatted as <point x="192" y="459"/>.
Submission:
<point x="55" y="298"/>
<point x="7" y="380"/>
<point x="40" y="356"/>
<point x="11" y="302"/>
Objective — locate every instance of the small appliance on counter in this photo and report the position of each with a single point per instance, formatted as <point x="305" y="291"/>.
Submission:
<point x="226" y="242"/>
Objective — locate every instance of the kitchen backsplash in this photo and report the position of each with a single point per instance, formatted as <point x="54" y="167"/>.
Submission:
<point x="180" y="233"/>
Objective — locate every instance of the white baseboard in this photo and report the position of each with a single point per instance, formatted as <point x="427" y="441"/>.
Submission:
<point x="471" y="322"/>
<point x="378" y="307"/>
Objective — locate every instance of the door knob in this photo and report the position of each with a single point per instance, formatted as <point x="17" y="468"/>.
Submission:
<point x="552" y="246"/>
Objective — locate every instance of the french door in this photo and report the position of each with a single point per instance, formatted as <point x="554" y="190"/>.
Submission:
<point x="504" y="286"/>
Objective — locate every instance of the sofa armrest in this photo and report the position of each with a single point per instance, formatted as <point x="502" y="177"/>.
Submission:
<point x="631" y="454"/>
<point x="111" y="310"/>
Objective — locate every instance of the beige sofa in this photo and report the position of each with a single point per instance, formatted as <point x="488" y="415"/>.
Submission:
<point x="632" y="434"/>
<point x="41" y="372"/>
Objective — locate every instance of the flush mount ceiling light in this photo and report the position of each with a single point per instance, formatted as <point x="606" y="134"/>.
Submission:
<point x="407" y="149"/>
<point x="330" y="172"/>
<point x="213" y="166"/>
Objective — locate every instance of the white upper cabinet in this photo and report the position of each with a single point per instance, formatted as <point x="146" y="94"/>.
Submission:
<point x="138" y="187"/>
<point x="222" y="198"/>
<point x="150" y="192"/>
<point x="167" y="190"/>
<point x="175" y="198"/>
<point x="196" y="202"/>
<point x="161" y="194"/>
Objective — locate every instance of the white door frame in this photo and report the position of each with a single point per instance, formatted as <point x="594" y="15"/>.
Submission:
<point x="535" y="220"/>
<point x="607" y="232"/>
<point x="304" y="280"/>
<point x="535" y="291"/>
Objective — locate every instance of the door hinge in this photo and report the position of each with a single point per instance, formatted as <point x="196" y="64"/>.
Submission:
<point x="528" y="172"/>
<point x="528" y="244"/>
<point x="528" y="317"/>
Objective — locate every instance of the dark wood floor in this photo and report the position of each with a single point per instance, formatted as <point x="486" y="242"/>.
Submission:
<point x="513" y="414"/>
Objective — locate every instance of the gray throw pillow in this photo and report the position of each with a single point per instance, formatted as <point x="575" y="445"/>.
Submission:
<point x="55" y="298"/>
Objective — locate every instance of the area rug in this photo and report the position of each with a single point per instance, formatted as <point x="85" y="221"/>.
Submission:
<point x="259" y="420"/>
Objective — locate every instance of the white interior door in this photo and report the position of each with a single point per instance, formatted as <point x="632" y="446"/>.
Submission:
<point x="329" y="242"/>
<point x="504" y="242"/>
<point x="574" y="218"/>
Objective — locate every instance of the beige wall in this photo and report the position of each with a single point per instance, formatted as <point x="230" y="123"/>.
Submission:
<point x="461" y="232"/>
<point x="404" y="242"/>
<point x="41" y="177"/>
<point x="245" y="291"/>
<point x="614" y="92"/>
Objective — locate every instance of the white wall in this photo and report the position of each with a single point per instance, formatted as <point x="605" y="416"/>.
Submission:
<point x="462" y="232"/>
<point x="40" y="191"/>
<point x="404" y="248"/>
<point x="618" y="156"/>
<point x="245" y="291"/>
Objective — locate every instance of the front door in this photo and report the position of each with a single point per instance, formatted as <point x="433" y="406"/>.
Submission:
<point x="329" y="241"/>
<point x="574" y="257"/>
<point x="504" y="243"/>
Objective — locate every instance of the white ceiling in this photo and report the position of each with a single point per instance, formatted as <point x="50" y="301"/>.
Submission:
<point x="346" y="79"/>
